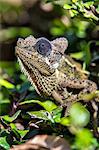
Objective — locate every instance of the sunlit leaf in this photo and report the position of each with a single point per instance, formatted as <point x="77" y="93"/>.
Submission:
<point x="5" y="101"/>
<point x="73" y="12"/>
<point x="8" y="33"/>
<point x="65" y="121"/>
<point x="13" y="32"/>
<point x="67" y="6"/>
<point x="11" y="119"/>
<point x="6" y="84"/>
<point x="47" y="105"/>
<point x="57" y="31"/>
<point x="85" y="140"/>
<point x="97" y="9"/>
<point x="88" y="4"/>
<point x="80" y="116"/>
<point x="57" y="114"/>
<point x="78" y="55"/>
<point x="4" y="144"/>
<point x="42" y="114"/>
<point x="25" y="31"/>
<point x="74" y="1"/>
<point x="22" y="133"/>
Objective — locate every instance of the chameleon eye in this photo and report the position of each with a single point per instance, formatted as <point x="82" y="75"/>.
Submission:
<point x="43" y="47"/>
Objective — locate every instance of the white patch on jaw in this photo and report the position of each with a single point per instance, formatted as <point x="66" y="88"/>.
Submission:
<point x="27" y="74"/>
<point x="47" y="61"/>
<point x="57" y="73"/>
<point x="55" y="65"/>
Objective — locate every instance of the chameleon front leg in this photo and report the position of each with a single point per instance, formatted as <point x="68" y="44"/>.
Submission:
<point x="66" y="103"/>
<point x="57" y="97"/>
<point x="66" y="99"/>
<point x="74" y="83"/>
<point x="63" y="97"/>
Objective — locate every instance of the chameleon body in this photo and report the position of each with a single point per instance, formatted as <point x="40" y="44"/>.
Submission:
<point x="51" y="72"/>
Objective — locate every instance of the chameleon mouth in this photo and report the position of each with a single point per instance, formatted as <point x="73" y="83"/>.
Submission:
<point x="21" y="51"/>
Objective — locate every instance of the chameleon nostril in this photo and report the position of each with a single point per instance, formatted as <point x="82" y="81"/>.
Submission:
<point x="20" y="41"/>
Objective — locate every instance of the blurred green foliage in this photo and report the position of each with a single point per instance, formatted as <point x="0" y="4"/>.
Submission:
<point x="85" y="140"/>
<point x="13" y="32"/>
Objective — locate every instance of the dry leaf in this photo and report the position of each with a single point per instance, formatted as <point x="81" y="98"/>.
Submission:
<point x="44" y="142"/>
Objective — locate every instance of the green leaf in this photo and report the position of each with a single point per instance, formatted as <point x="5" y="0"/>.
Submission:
<point x="67" y="6"/>
<point x="5" y="101"/>
<point x="22" y="132"/>
<point x="14" y="129"/>
<point x="87" y="55"/>
<point x="4" y="144"/>
<point x="74" y="1"/>
<point x="88" y="4"/>
<point x="57" y="114"/>
<point x="55" y="31"/>
<point x="79" y="115"/>
<point x="25" y="31"/>
<point x="42" y="114"/>
<point x="97" y="9"/>
<point x="6" y="84"/>
<point x="59" y="2"/>
<point x="90" y="15"/>
<point x="78" y="55"/>
<point x="73" y="12"/>
<point x="47" y="105"/>
<point x="85" y="48"/>
<point x="65" y="121"/>
<point x="18" y="132"/>
<point x="11" y="119"/>
<point x="85" y="140"/>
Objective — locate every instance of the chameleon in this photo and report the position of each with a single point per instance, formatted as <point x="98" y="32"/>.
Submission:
<point x="53" y="73"/>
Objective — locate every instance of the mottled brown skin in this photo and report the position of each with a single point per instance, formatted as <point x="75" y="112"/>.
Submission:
<point x="55" y="74"/>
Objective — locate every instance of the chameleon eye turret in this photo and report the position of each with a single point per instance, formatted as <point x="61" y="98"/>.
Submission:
<point x="43" y="46"/>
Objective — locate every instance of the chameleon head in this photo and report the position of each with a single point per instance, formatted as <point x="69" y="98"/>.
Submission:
<point x="40" y="52"/>
<point x="40" y="46"/>
<point x="39" y="60"/>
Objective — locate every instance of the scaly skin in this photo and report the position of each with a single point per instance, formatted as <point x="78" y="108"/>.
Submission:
<point x="51" y="72"/>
